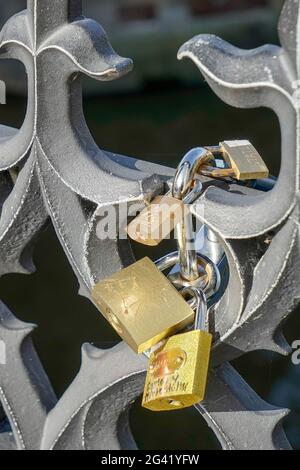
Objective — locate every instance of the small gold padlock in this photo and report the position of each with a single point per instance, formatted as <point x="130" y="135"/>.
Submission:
<point x="142" y="305"/>
<point x="157" y="221"/>
<point x="244" y="161"/>
<point x="177" y="372"/>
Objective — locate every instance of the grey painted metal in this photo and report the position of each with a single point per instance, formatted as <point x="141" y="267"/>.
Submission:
<point x="175" y="15"/>
<point x="65" y="177"/>
<point x="257" y="296"/>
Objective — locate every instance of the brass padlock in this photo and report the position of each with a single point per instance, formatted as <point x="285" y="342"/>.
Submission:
<point x="156" y="221"/>
<point x="244" y="161"/>
<point x="142" y="305"/>
<point x="177" y="372"/>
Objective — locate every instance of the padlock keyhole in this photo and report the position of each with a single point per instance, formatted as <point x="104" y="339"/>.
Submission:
<point x="175" y="403"/>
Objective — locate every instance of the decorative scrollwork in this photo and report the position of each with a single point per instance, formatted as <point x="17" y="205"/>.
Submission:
<point x="264" y="287"/>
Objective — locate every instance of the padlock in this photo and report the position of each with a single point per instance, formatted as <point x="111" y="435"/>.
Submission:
<point x="156" y="221"/>
<point x="243" y="160"/>
<point x="177" y="372"/>
<point x="142" y="305"/>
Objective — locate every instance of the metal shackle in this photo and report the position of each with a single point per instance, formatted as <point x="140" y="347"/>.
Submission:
<point x="200" y="305"/>
<point x="187" y="188"/>
<point x="210" y="285"/>
<point x="187" y="170"/>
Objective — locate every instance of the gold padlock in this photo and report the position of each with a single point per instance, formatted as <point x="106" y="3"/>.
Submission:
<point x="177" y="372"/>
<point x="244" y="161"/>
<point x="142" y="305"/>
<point x="156" y="221"/>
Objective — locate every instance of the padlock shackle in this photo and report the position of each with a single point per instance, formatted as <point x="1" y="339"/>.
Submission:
<point x="214" y="277"/>
<point x="201" y="313"/>
<point x="187" y="187"/>
<point x="187" y="171"/>
<point x="215" y="150"/>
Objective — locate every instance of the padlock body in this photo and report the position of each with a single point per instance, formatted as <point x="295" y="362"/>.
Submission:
<point x="142" y="305"/>
<point x="244" y="159"/>
<point x="177" y="373"/>
<point x="156" y="222"/>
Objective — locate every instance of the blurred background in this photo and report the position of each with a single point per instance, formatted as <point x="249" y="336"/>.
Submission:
<point x="157" y="113"/>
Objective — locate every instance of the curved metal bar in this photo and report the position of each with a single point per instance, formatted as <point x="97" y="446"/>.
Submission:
<point x="187" y="170"/>
<point x="200" y="301"/>
<point x="210" y="287"/>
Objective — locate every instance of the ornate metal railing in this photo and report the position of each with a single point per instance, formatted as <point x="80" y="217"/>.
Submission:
<point x="62" y="176"/>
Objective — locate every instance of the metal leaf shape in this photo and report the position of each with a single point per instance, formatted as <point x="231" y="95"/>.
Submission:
<point x="93" y="413"/>
<point x="261" y="77"/>
<point x="289" y="31"/>
<point x="22" y="380"/>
